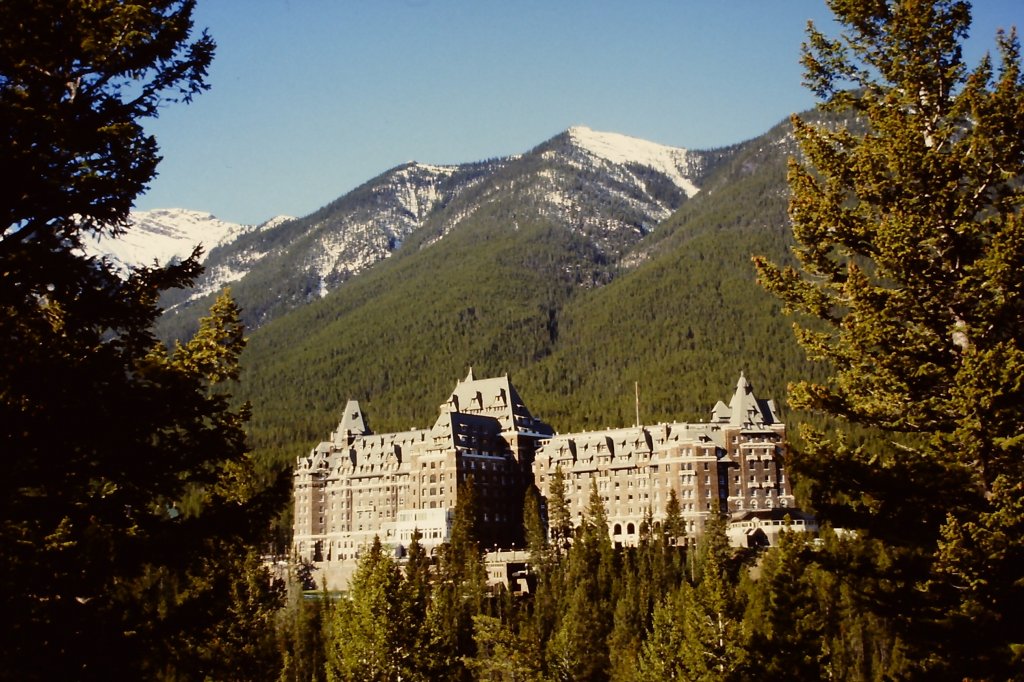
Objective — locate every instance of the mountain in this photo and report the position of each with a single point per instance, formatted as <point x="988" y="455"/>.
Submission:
<point x="162" y="235"/>
<point x="586" y="267"/>
<point x="609" y="190"/>
<point x="579" y="269"/>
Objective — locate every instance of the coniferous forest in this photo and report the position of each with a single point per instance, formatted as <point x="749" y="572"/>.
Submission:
<point x="144" y="481"/>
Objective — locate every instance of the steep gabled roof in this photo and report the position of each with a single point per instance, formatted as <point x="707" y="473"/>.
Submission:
<point x="493" y="397"/>
<point x="353" y="423"/>
<point x="745" y="409"/>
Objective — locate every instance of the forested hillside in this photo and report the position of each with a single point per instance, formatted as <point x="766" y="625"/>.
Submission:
<point x="607" y="189"/>
<point x="515" y="290"/>
<point x="689" y="318"/>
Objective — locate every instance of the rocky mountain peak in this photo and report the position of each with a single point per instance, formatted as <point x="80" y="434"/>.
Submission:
<point x="606" y="189"/>
<point x="674" y="163"/>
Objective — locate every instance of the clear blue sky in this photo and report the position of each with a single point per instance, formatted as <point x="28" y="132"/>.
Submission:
<point x="311" y="98"/>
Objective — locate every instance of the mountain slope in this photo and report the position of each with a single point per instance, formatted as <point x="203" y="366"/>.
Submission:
<point x="162" y="235"/>
<point x="609" y="189"/>
<point x="690" y="316"/>
<point x="503" y="279"/>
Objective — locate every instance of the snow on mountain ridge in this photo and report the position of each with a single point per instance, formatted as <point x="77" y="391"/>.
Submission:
<point x="609" y="189"/>
<point x="161" y="235"/>
<point x="622" y="149"/>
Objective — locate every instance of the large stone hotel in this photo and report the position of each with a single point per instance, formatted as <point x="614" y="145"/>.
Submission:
<point x="359" y="484"/>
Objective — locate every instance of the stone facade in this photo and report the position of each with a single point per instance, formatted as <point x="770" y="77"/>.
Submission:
<point x="728" y="465"/>
<point x="359" y="484"/>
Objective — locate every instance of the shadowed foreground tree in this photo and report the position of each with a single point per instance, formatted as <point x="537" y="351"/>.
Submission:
<point x="129" y="503"/>
<point x="458" y="592"/>
<point x="911" y="243"/>
<point x="578" y="649"/>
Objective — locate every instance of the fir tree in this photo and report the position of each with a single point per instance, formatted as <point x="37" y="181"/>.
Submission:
<point x="300" y="631"/>
<point x="661" y="655"/>
<point x="369" y="629"/>
<point x="673" y="528"/>
<point x="534" y="530"/>
<point x="501" y="656"/>
<point x="559" y="515"/>
<point x="631" y="616"/>
<point x="578" y="649"/>
<point x="910" y="238"/>
<point x="712" y="637"/>
<point x="131" y="504"/>
<point x="785" y="616"/>
<point x="458" y="592"/>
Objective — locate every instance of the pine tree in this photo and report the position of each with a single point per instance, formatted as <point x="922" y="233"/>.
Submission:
<point x="417" y="575"/>
<point x="785" y="616"/>
<point x="300" y="636"/>
<point x="578" y="650"/>
<point x="369" y="630"/>
<point x="910" y="238"/>
<point x="674" y="528"/>
<point x="712" y="634"/>
<point x="534" y="530"/>
<point x="458" y="592"/>
<point x="631" y="615"/>
<point x="559" y="516"/>
<point x="130" y="503"/>
<point x="501" y="655"/>
<point x="661" y="654"/>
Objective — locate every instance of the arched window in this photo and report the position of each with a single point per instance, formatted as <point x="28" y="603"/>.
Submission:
<point x="618" y="529"/>
<point x="630" y="529"/>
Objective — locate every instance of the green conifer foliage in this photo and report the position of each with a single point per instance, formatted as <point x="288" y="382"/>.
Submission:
<point x="501" y="656"/>
<point x="712" y="633"/>
<point x="535" y="530"/>
<point x="458" y="592"/>
<point x="661" y="656"/>
<point x="631" y="616"/>
<point x="369" y="628"/>
<point x="578" y="650"/>
<point x="300" y="636"/>
<point x="786" y="617"/>
<point x="129" y="502"/>
<point x="559" y="516"/>
<point x="674" y="528"/>
<point x="910" y="238"/>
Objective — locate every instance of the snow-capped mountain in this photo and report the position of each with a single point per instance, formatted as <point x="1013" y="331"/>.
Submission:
<point x="675" y="163"/>
<point x="162" y="235"/>
<point x="609" y="190"/>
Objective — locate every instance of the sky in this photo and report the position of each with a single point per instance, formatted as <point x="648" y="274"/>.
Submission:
<point x="311" y="98"/>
